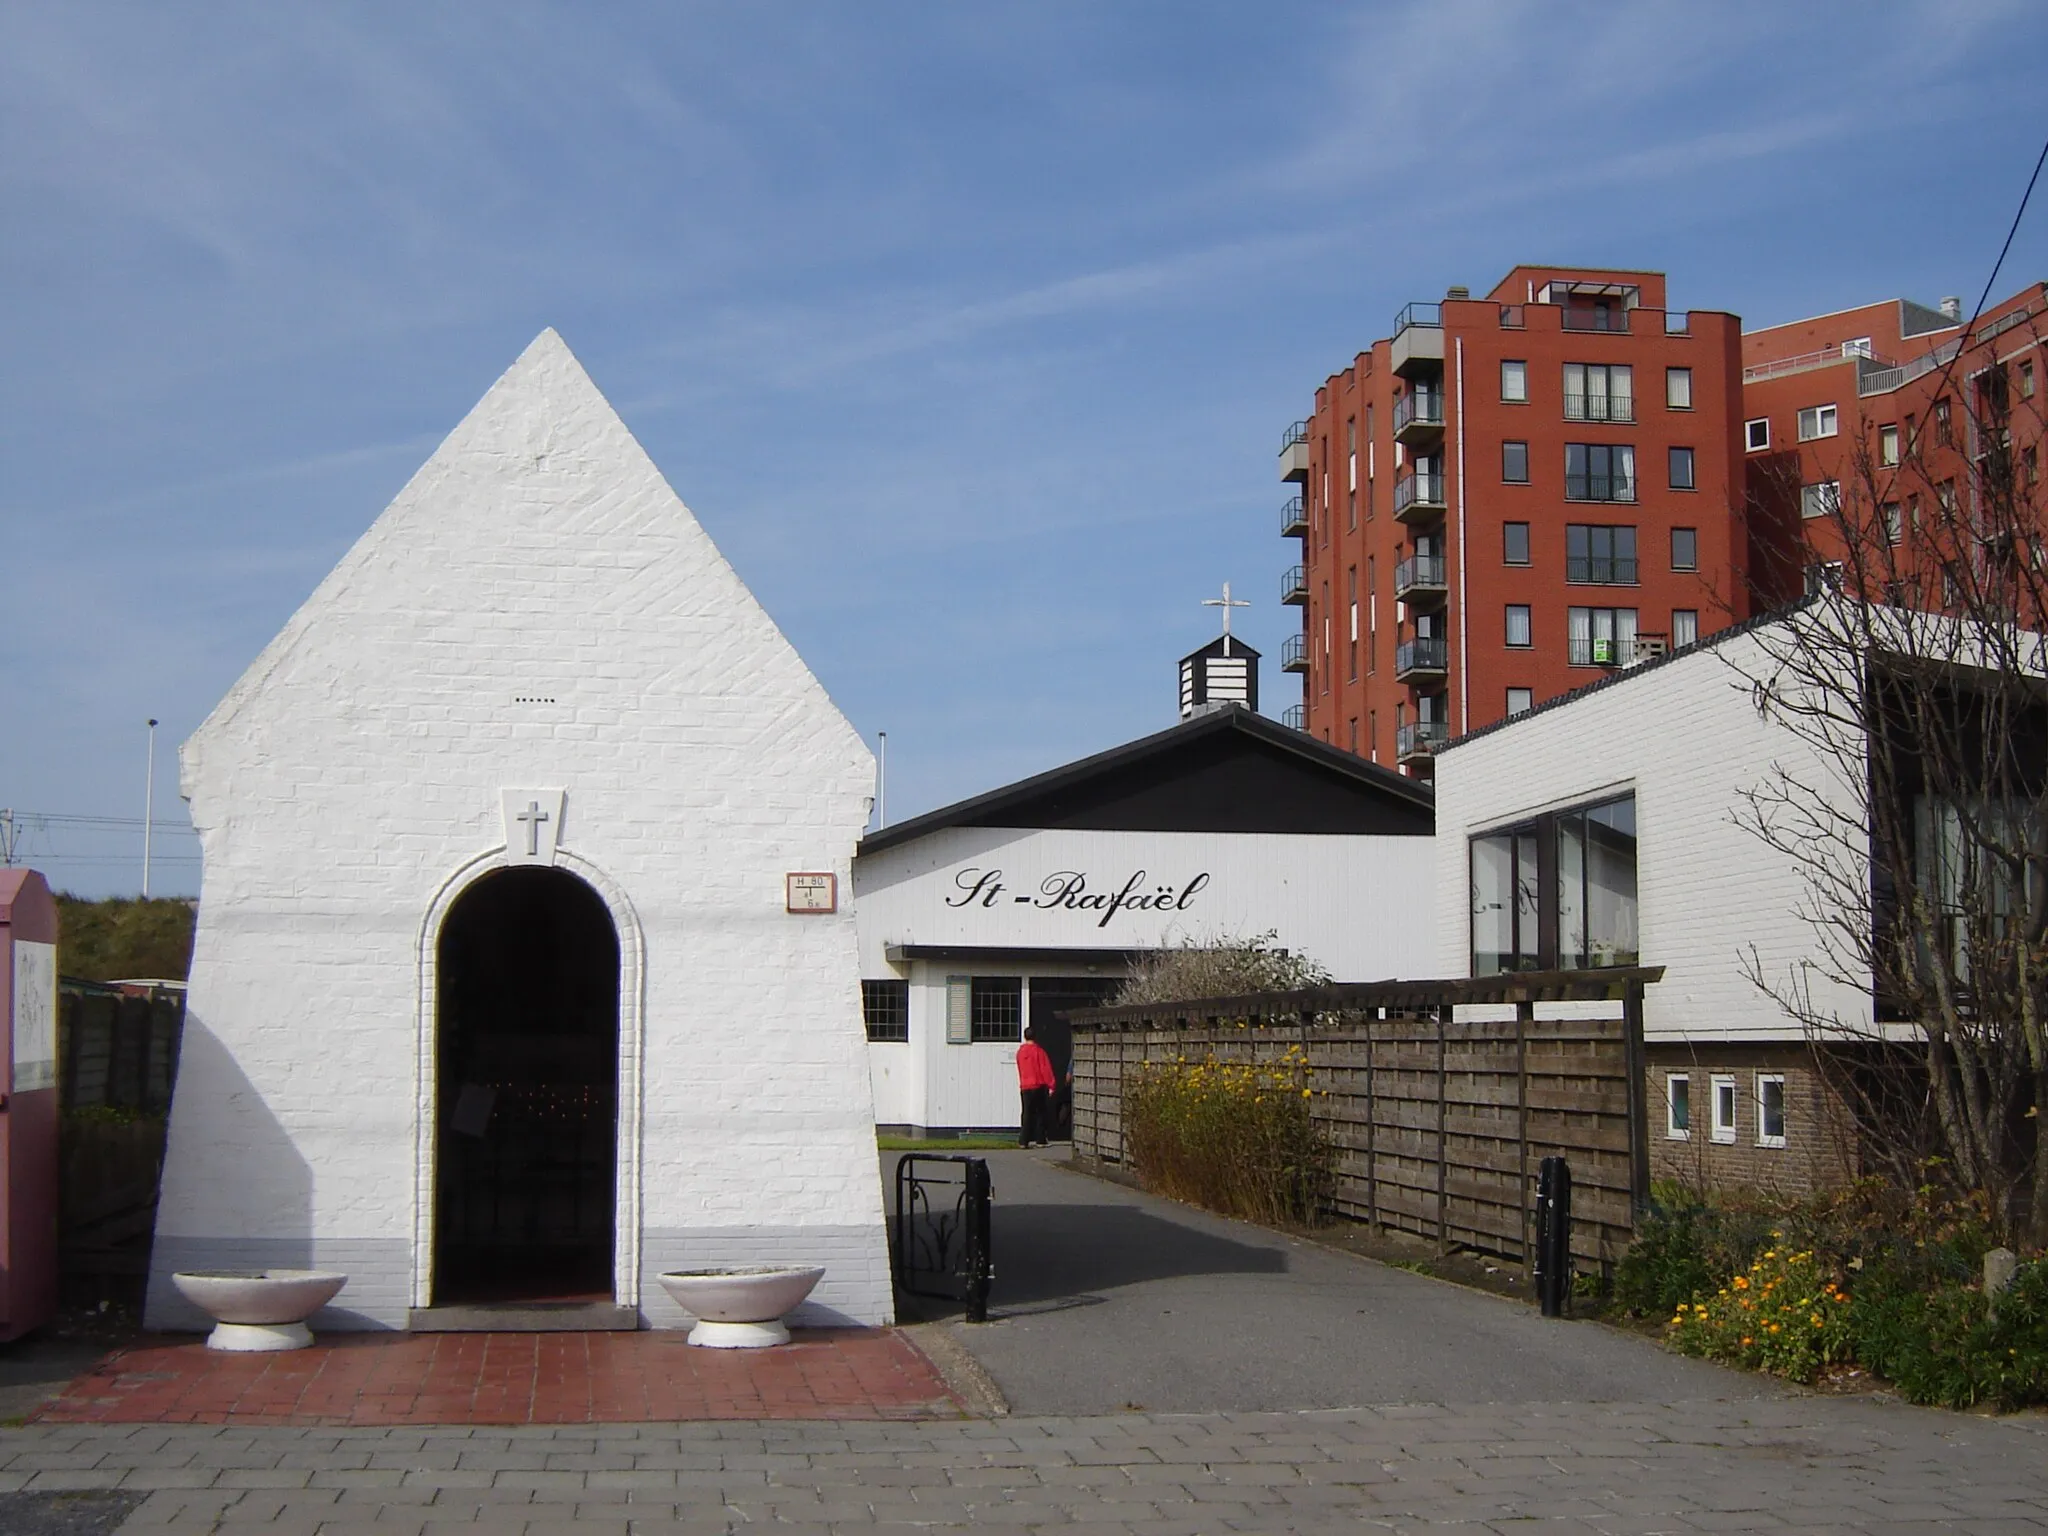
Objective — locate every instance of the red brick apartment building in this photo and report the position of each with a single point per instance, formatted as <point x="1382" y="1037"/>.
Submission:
<point x="1507" y="497"/>
<point x="1513" y="495"/>
<point x="1896" y="416"/>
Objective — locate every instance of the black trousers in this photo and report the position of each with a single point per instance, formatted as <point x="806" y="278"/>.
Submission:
<point x="1036" y="1124"/>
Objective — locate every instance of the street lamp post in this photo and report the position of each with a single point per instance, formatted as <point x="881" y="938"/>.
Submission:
<point x="148" y="807"/>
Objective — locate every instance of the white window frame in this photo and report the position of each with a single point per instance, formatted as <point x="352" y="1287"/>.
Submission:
<point x="1521" y="396"/>
<point x="1724" y="1083"/>
<point x="1685" y="627"/>
<point x="1888" y="445"/>
<point x="1762" y="1139"/>
<point x="1754" y="440"/>
<point x="1823" y="498"/>
<point x="1677" y="383"/>
<point x="1816" y="422"/>
<point x="1673" y="1131"/>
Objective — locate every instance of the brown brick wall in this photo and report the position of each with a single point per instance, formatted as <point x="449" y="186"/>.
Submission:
<point x="1820" y="1142"/>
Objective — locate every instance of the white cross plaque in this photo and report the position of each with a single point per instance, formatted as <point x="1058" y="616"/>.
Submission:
<point x="533" y="824"/>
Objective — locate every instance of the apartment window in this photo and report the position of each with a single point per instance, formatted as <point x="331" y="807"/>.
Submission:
<point x="1678" y="389"/>
<point x="1888" y="446"/>
<point x="1557" y="891"/>
<point x="1351" y="599"/>
<point x="995" y="1009"/>
<point x="886" y="1006"/>
<point x="1816" y="421"/>
<point x="2030" y="464"/>
<point x="1599" y="392"/>
<point x="1944" y="422"/>
<point x="1770" y="1110"/>
<point x="1599" y="637"/>
<point x="1351" y="450"/>
<point x="1521" y="700"/>
<point x="2026" y="381"/>
<point x="1894" y="523"/>
<point x="1599" y="472"/>
<point x="1678" y="1106"/>
<point x="1514" y="543"/>
<point x="1821" y="499"/>
<point x="1681" y="469"/>
<point x="1518" y="625"/>
<point x="1514" y="463"/>
<point x="1945" y="493"/>
<point x="1514" y="382"/>
<point x="1685" y="549"/>
<point x="1354" y="734"/>
<point x="1724" y="1109"/>
<point x="1756" y="435"/>
<point x="1372" y="734"/>
<point x="1685" y="627"/>
<point x="1604" y="556"/>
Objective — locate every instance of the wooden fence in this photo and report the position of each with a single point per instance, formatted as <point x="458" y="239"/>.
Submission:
<point x="117" y="1058"/>
<point x="1439" y="1121"/>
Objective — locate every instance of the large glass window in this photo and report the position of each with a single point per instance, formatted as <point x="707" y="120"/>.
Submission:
<point x="1599" y="392"/>
<point x="1514" y="463"/>
<point x="1558" y="892"/>
<point x="1599" y="472"/>
<point x="1599" y="637"/>
<point x="1514" y="381"/>
<point x="1605" y="556"/>
<point x="996" y="1009"/>
<point x="1515" y="543"/>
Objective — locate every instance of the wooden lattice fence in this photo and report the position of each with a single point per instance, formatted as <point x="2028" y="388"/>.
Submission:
<point x="1441" y="1099"/>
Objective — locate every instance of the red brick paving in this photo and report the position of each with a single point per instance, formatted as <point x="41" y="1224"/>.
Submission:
<point x="510" y="1378"/>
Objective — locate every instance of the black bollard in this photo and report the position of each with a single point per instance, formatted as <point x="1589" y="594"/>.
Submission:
<point x="980" y="1266"/>
<point x="1554" y="1236"/>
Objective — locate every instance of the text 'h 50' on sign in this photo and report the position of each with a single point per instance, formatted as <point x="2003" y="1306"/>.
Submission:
<point x="810" y="893"/>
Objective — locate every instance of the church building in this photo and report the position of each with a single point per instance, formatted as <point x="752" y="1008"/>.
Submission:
<point x="526" y="965"/>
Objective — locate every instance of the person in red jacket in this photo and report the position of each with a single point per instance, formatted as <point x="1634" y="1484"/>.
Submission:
<point x="1035" y="1083"/>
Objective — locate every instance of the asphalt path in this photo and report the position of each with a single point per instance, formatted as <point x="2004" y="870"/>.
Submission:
<point x="1108" y="1300"/>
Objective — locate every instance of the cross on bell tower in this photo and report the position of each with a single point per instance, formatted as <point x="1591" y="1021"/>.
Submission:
<point x="1223" y="673"/>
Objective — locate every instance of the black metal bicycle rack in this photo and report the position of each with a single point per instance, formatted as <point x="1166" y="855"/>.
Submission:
<point x="942" y="1229"/>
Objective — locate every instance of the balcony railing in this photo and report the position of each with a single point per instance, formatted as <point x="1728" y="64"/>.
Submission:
<point x="1423" y="654"/>
<point x="1293" y="519"/>
<point x="1420" y="738"/>
<point x="1418" y="571"/>
<point x="1418" y="313"/>
<point x="1601" y="570"/>
<point x="1294" y="452"/>
<point x="1599" y="408"/>
<point x="1419" y="409"/>
<point x="1599" y="488"/>
<point x="1585" y="651"/>
<point x="1294" y="585"/>
<point x="1578" y="317"/>
<point x="1294" y="654"/>
<point x="1294" y="717"/>
<point x="1418" y="490"/>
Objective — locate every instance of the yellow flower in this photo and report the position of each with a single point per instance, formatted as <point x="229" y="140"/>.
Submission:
<point x="1308" y="1093"/>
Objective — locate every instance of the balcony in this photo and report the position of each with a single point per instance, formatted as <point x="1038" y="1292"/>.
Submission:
<point x="1294" y="585"/>
<point x="1418" y="416"/>
<point x="1293" y="520"/>
<point x="1294" y="654"/>
<point x="1419" y="498"/>
<point x="1294" y="717"/>
<point x="1420" y="658"/>
<point x="1599" y="487"/>
<point x="1599" y="408"/>
<point x="1420" y="579"/>
<point x="1601" y="570"/>
<point x="1586" y="651"/>
<point x="1419" y="739"/>
<point x="1588" y="317"/>
<point x="1418" y="346"/>
<point x="1294" y="452"/>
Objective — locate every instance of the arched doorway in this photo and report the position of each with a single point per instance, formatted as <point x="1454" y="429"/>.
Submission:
<point x="527" y="1072"/>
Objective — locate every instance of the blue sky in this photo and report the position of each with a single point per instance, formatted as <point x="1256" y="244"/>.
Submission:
<point x="968" y="331"/>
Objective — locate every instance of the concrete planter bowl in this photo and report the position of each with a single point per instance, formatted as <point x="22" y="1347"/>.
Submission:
<point x="741" y="1308"/>
<point x="259" y="1309"/>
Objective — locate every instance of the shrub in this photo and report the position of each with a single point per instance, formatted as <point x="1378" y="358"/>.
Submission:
<point x="1784" y="1314"/>
<point x="1942" y="1346"/>
<point x="1665" y="1266"/>
<point x="1224" y="967"/>
<point x="1236" y="1137"/>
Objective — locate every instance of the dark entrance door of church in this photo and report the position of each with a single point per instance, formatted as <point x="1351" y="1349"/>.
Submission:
<point x="527" y="1019"/>
<point x="1050" y="996"/>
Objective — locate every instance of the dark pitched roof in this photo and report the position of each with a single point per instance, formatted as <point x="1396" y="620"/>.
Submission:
<point x="1230" y="770"/>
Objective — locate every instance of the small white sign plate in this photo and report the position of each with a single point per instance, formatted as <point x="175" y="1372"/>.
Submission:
<point x="810" y="892"/>
<point x="35" y="1016"/>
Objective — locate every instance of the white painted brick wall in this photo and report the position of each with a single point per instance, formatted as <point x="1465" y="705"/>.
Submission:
<point x="357" y="766"/>
<point x="1686" y="737"/>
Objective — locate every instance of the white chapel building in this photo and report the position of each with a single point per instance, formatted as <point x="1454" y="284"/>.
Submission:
<point x="526" y="965"/>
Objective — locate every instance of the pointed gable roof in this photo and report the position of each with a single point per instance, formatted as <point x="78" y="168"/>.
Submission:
<point x="1229" y="771"/>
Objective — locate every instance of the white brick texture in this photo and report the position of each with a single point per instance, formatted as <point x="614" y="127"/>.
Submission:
<point x="535" y="608"/>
